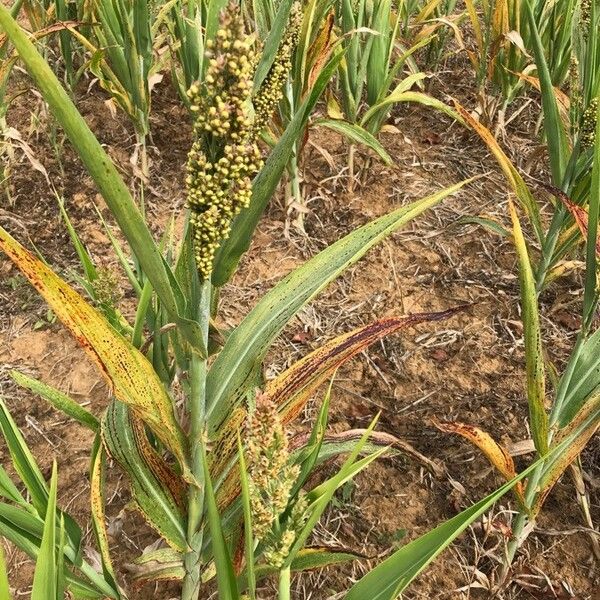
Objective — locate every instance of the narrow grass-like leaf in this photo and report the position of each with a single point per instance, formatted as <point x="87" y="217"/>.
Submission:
<point x="407" y="96"/>
<point x="4" y="586"/>
<point x="59" y="400"/>
<point x="558" y="146"/>
<point x="573" y="440"/>
<point x="290" y="390"/>
<point x="495" y="453"/>
<point x="97" y="488"/>
<point x="321" y="496"/>
<point x="534" y="355"/>
<point x="23" y="461"/>
<point x="266" y="182"/>
<point x="519" y="186"/>
<point x="308" y="559"/>
<point x="249" y="342"/>
<point x="45" y="576"/>
<point x="9" y="490"/>
<point x="272" y="43"/>
<point x="226" y="580"/>
<point x="250" y="576"/>
<point x="393" y="575"/>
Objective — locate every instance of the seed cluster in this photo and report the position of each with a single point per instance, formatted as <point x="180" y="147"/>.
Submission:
<point x="225" y="155"/>
<point x="279" y="545"/>
<point x="271" y="90"/>
<point x="585" y="8"/>
<point x="106" y="288"/>
<point x="271" y="478"/>
<point x="588" y="127"/>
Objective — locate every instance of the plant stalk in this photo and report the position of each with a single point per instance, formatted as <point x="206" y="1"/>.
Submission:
<point x="284" y="583"/>
<point x="197" y="413"/>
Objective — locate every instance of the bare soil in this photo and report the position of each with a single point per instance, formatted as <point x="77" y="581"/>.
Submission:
<point x="469" y="368"/>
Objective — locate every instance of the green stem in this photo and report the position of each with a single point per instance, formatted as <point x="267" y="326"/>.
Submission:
<point x="284" y="583"/>
<point x="197" y="414"/>
<point x="351" y="154"/>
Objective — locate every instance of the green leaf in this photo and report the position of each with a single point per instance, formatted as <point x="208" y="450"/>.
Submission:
<point x="250" y="578"/>
<point x="357" y="134"/>
<point x="321" y="496"/>
<point x="558" y="145"/>
<point x="226" y="581"/>
<point x="407" y="96"/>
<point x="9" y="490"/>
<point x="308" y="559"/>
<point x="59" y="400"/>
<point x="23" y="461"/>
<point x="247" y="345"/>
<point x="272" y="43"/>
<point x="155" y="488"/>
<point x="534" y="356"/>
<point x="391" y="577"/>
<point x="45" y="576"/>
<point x="4" y="587"/>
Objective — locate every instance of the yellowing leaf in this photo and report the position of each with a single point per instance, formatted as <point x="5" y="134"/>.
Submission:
<point x="494" y="452"/>
<point x="514" y="178"/>
<point x="129" y="373"/>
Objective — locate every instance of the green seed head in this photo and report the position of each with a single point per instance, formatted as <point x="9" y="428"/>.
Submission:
<point x="588" y="127"/>
<point x="271" y="90"/>
<point x="225" y="156"/>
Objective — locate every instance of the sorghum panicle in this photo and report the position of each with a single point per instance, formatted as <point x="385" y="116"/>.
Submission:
<point x="588" y="127"/>
<point x="278" y="546"/>
<point x="106" y="287"/>
<point x="585" y="8"/>
<point x="271" y="90"/>
<point x="271" y="478"/>
<point x="225" y="156"/>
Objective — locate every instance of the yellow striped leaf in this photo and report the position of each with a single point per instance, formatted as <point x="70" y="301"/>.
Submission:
<point x="129" y="373"/>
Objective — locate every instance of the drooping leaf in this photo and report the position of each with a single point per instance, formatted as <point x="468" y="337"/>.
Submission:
<point x="155" y="488"/>
<point x="357" y="134"/>
<point x="101" y="168"/>
<point x="572" y="440"/>
<point x="165" y="564"/>
<point x="495" y="453"/>
<point x="391" y="577"/>
<point x="128" y="371"/>
<point x="59" y="400"/>
<point x="515" y="180"/>
<point x="309" y="559"/>
<point x="291" y="390"/>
